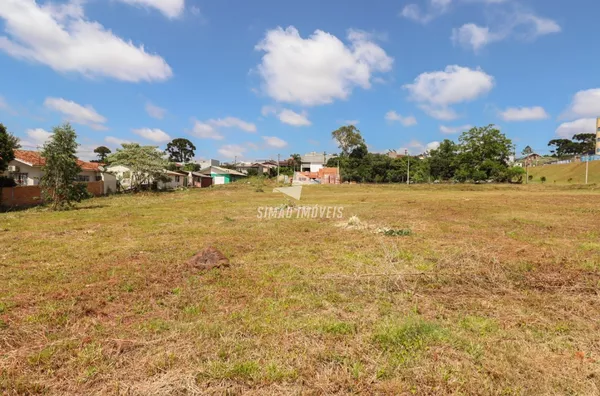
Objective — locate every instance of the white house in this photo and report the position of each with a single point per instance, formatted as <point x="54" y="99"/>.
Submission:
<point x="26" y="170"/>
<point x="313" y="162"/>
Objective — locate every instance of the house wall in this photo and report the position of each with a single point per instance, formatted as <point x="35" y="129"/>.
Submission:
<point x="32" y="195"/>
<point x="35" y="173"/>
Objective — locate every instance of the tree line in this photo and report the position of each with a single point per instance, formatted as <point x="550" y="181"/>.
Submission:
<point x="481" y="154"/>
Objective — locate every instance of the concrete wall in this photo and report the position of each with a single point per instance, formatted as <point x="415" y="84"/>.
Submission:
<point x="110" y="183"/>
<point x="32" y="195"/>
<point x="598" y="136"/>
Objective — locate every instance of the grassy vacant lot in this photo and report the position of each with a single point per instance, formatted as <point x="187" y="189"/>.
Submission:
<point x="495" y="291"/>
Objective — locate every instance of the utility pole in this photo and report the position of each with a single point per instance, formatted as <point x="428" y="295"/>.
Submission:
<point x="235" y="162"/>
<point x="587" y="166"/>
<point x="408" y="168"/>
<point x="527" y="172"/>
<point x="278" y="161"/>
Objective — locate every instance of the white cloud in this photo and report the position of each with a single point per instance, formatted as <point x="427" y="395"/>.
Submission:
<point x="432" y="146"/>
<point x="521" y="25"/>
<point x="524" y="114"/>
<point x="115" y="140"/>
<point x="156" y="135"/>
<point x="436" y="91"/>
<point x="295" y="119"/>
<point x="351" y="122"/>
<point x="170" y="8"/>
<point x="319" y="69"/>
<point x="232" y="150"/>
<point x="436" y="8"/>
<point x="584" y="125"/>
<point x="274" y="142"/>
<point x="473" y="36"/>
<point x="206" y="131"/>
<point x="210" y="129"/>
<point x="268" y="110"/>
<point x="61" y="37"/>
<point x="232" y="122"/>
<point x="38" y="137"/>
<point x="392" y="116"/>
<point x="76" y="113"/>
<point x="448" y="130"/>
<point x="155" y="111"/>
<point x="585" y="104"/>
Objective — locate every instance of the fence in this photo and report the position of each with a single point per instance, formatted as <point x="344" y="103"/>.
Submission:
<point x="32" y="195"/>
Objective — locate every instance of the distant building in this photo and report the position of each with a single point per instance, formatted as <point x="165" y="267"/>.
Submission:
<point x="222" y="175"/>
<point x="314" y="161"/>
<point x="210" y="162"/>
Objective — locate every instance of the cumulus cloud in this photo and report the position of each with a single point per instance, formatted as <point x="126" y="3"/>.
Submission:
<point x="290" y="117"/>
<point x="61" y="37"/>
<point x="155" y="111"/>
<point x="115" y="140"/>
<point x="449" y="130"/>
<point x="170" y="8"/>
<point x="156" y="135"/>
<point x="287" y="116"/>
<point x="435" y="8"/>
<point x="436" y="91"/>
<point x="585" y="104"/>
<point x="76" y="113"/>
<point x="211" y="129"/>
<point x="232" y="150"/>
<point x="232" y="122"/>
<point x="35" y="138"/>
<point x="319" y="69"/>
<point x="583" y="125"/>
<point x="392" y="116"/>
<point x="204" y="130"/>
<point x="524" y="114"/>
<point x="520" y="25"/>
<point x="275" y="142"/>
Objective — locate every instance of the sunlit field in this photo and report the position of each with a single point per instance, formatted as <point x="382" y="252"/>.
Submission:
<point x="488" y="290"/>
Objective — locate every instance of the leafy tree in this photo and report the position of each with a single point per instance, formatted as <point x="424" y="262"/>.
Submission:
<point x="146" y="163"/>
<point x="296" y="161"/>
<point x="586" y="142"/>
<point x="61" y="169"/>
<point x="484" y="153"/>
<point x="527" y="150"/>
<point x="191" y="167"/>
<point x="8" y="144"/>
<point x="180" y="150"/>
<point x="348" y="138"/>
<point x="102" y="152"/>
<point x="443" y="160"/>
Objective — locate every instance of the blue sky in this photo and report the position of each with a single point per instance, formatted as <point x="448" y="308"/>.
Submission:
<point x="255" y="79"/>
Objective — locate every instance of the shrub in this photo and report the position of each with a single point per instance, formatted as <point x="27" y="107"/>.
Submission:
<point x="543" y="179"/>
<point x="7" y="182"/>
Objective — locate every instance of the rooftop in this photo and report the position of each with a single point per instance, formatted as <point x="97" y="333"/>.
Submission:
<point x="33" y="158"/>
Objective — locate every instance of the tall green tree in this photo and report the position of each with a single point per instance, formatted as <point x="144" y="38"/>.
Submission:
<point x="8" y="144"/>
<point x="180" y="150"/>
<point x="484" y="153"/>
<point x="146" y="163"/>
<point x="102" y="153"/>
<point x="348" y="138"/>
<point x="296" y="161"/>
<point x="527" y="150"/>
<point x="61" y="169"/>
<point x="444" y="160"/>
<point x="586" y="142"/>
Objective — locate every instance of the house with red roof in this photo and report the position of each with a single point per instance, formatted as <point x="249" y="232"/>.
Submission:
<point x="26" y="170"/>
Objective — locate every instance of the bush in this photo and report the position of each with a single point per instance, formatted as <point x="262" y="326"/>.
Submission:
<point x="543" y="179"/>
<point x="79" y="192"/>
<point x="7" y="182"/>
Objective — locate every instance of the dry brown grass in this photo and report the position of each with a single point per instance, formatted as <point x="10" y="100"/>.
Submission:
<point x="495" y="292"/>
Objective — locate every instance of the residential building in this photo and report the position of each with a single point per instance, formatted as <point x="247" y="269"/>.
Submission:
<point x="26" y="169"/>
<point x="206" y="163"/>
<point x="222" y="175"/>
<point x="314" y="161"/>
<point x="322" y="176"/>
